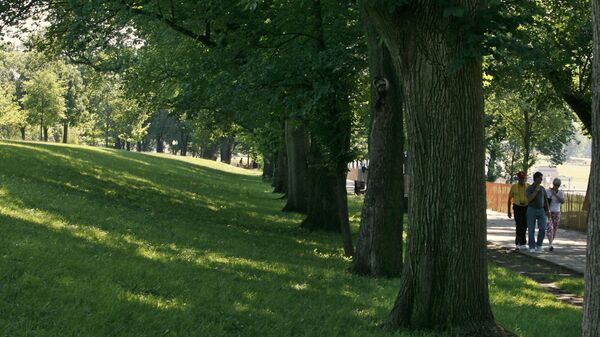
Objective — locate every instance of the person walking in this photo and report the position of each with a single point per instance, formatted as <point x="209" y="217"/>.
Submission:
<point x="556" y="197"/>
<point x="518" y="202"/>
<point x="537" y="211"/>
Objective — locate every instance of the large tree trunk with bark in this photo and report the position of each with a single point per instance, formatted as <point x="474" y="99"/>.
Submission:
<point x="45" y="133"/>
<point x="329" y="149"/>
<point x="379" y="245"/>
<point x="591" y="303"/>
<point x="22" y="129"/>
<point x="65" y="132"/>
<point x="296" y="142"/>
<point x="444" y="283"/>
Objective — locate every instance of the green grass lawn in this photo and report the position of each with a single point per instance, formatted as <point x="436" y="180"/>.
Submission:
<point x="98" y="242"/>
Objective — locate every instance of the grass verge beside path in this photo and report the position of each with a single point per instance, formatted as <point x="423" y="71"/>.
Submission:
<point x="99" y="242"/>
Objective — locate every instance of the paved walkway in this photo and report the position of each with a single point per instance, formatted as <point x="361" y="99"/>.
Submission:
<point x="569" y="245"/>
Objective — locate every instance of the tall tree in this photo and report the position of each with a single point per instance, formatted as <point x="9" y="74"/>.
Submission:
<point x="379" y="244"/>
<point x="434" y="46"/>
<point x="534" y="118"/>
<point x="44" y="100"/>
<point x="591" y="303"/>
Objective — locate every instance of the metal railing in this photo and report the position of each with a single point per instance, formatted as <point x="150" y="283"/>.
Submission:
<point x="573" y="213"/>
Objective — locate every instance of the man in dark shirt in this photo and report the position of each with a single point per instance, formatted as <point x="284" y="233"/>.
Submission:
<point x="537" y="209"/>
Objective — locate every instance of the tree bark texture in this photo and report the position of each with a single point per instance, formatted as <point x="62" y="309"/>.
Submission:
<point x="65" y="132"/>
<point x="591" y="303"/>
<point x="45" y="133"/>
<point x="296" y="141"/>
<point x="444" y="283"/>
<point x="379" y="245"/>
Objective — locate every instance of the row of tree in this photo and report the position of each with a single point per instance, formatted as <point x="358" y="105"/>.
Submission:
<point x="44" y="97"/>
<point x="304" y="83"/>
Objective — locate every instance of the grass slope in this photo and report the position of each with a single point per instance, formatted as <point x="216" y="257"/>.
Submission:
<point x="98" y="242"/>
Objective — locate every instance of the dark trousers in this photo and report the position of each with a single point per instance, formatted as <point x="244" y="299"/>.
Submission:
<point x="520" y="213"/>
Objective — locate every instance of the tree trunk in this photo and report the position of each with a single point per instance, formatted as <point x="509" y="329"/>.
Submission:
<point x="160" y="147"/>
<point x="444" y="283"/>
<point x="322" y="202"/>
<point x="561" y="82"/>
<point x="296" y="141"/>
<point x="591" y="303"/>
<point x="138" y="146"/>
<point x="268" y="167"/>
<point x="526" y="141"/>
<point x="22" y="129"/>
<point x="226" y="148"/>
<point x="65" y="132"/>
<point x="184" y="141"/>
<point x="209" y="151"/>
<point x="281" y="170"/>
<point x="45" y="133"/>
<point x="329" y="149"/>
<point x="379" y="245"/>
<point x="128" y="145"/>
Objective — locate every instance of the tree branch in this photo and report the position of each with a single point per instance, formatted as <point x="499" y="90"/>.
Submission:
<point x="202" y="38"/>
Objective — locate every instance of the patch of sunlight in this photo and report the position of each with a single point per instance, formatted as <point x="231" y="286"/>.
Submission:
<point x="154" y="301"/>
<point x="536" y="297"/>
<point x="151" y="253"/>
<point x="3" y="192"/>
<point x="243" y="262"/>
<point x="40" y="149"/>
<point x="299" y="286"/>
<point x="364" y="313"/>
<point x="251" y="296"/>
<point x="208" y="163"/>
<point x="86" y="232"/>
<point x="67" y="281"/>
<point x="241" y="307"/>
<point x="75" y="187"/>
<point x="347" y="291"/>
<point x="327" y="254"/>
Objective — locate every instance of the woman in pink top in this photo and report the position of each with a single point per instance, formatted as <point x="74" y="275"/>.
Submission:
<point x="555" y="197"/>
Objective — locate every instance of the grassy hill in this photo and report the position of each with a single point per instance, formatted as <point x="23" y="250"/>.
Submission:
<point x="99" y="242"/>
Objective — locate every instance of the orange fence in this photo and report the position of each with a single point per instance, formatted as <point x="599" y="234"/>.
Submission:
<point x="573" y="215"/>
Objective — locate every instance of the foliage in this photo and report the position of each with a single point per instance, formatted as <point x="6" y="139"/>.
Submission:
<point x="43" y="100"/>
<point x="525" y="120"/>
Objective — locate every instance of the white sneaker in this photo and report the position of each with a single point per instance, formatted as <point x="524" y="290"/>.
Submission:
<point x="531" y="250"/>
<point x="538" y="249"/>
<point x="524" y="247"/>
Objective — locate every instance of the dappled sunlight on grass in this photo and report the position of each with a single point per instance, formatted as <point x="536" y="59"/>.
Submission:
<point x="154" y="301"/>
<point x="99" y="242"/>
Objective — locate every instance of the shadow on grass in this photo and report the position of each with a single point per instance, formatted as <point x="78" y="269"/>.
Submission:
<point x="101" y="242"/>
<point x="70" y="285"/>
